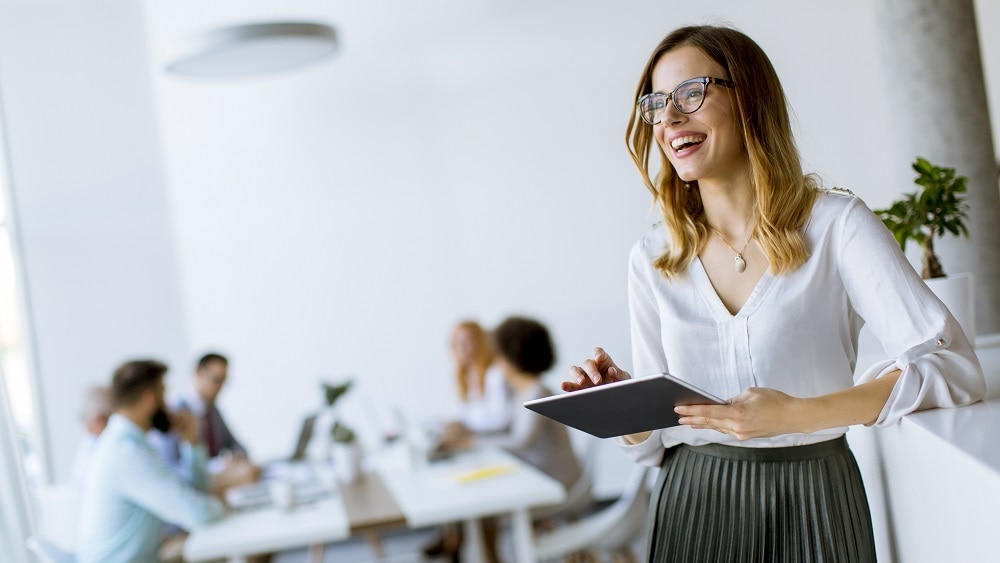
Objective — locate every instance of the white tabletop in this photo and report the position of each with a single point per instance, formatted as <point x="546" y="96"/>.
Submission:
<point x="480" y="483"/>
<point x="970" y="429"/>
<point x="270" y="529"/>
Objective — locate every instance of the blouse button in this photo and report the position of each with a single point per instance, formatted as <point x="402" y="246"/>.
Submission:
<point x="940" y="342"/>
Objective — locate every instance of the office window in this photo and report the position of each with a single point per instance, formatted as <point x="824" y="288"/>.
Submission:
<point x="14" y="364"/>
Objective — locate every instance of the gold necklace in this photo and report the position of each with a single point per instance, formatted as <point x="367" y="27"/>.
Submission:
<point x="740" y="264"/>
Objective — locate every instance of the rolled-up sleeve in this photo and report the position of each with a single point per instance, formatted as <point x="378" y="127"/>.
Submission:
<point x="920" y="336"/>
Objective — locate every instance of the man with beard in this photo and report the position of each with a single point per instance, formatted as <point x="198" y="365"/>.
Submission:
<point x="129" y="492"/>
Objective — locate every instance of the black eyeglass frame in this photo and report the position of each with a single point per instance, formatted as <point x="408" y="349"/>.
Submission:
<point x="703" y="80"/>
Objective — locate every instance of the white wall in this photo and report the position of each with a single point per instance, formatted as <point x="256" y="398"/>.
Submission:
<point x="90" y="199"/>
<point x="319" y="236"/>
<point x="453" y="161"/>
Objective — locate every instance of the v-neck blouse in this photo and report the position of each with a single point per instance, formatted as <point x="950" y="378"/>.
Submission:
<point x="798" y="332"/>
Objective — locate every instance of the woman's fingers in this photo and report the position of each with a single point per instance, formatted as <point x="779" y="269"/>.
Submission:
<point x="754" y="413"/>
<point x="594" y="371"/>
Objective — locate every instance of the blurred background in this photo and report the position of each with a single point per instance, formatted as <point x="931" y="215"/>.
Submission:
<point x="451" y="160"/>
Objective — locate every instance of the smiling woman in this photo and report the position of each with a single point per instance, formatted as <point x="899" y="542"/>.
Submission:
<point x="767" y="476"/>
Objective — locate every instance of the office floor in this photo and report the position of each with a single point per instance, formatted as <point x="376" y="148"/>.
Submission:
<point x="401" y="546"/>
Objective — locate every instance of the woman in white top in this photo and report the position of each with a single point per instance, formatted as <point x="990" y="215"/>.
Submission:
<point x="754" y="288"/>
<point x="484" y="407"/>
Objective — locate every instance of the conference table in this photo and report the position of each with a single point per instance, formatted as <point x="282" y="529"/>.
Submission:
<point x="397" y="492"/>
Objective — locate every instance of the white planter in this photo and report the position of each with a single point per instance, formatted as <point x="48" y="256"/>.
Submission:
<point x="957" y="293"/>
<point x="346" y="461"/>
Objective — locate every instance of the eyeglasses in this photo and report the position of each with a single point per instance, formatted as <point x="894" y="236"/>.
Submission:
<point x="687" y="97"/>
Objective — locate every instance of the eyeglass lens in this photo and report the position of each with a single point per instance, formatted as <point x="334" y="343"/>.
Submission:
<point x="687" y="98"/>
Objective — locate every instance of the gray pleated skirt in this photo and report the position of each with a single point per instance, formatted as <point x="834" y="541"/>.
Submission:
<point x="726" y="503"/>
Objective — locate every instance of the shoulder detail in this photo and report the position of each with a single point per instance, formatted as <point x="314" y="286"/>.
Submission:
<point x="654" y="241"/>
<point x="838" y="191"/>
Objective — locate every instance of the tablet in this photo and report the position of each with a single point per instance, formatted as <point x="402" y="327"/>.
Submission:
<point x="623" y="407"/>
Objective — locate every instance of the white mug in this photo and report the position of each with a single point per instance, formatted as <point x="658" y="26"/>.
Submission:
<point x="282" y="493"/>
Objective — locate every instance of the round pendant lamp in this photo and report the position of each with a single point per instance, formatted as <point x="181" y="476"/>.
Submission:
<point x="257" y="48"/>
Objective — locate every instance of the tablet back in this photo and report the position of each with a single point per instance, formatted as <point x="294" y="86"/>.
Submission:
<point x="623" y="407"/>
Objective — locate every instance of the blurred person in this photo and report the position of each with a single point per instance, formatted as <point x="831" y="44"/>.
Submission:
<point x="228" y="463"/>
<point x="129" y="492"/>
<point x="524" y="353"/>
<point x="482" y="390"/>
<point x="483" y="407"/>
<point x="97" y="409"/>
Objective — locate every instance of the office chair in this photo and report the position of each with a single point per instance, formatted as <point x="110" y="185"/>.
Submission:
<point x="48" y="552"/>
<point x="57" y="511"/>
<point x="579" y="496"/>
<point x="613" y="528"/>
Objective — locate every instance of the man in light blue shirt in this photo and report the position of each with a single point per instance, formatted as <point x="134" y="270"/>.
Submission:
<point x="128" y="491"/>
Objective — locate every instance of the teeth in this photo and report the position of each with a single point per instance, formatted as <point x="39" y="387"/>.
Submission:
<point x="688" y="140"/>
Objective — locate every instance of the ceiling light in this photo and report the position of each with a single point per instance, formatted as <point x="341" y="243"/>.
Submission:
<point x="257" y="48"/>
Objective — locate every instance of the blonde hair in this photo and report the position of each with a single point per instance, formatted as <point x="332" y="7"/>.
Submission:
<point x="781" y="195"/>
<point x="482" y="357"/>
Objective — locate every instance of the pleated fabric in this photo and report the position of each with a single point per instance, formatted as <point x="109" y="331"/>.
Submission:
<point x="792" y="504"/>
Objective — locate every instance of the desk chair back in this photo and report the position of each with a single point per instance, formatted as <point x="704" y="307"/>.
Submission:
<point x="613" y="528"/>
<point x="57" y="514"/>
<point x="48" y="552"/>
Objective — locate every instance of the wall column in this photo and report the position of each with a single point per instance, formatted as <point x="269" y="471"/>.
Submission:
<point x="937" y="93"/>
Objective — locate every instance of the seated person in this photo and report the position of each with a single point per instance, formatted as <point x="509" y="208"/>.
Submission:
<point x="227" y="463"/>
<point x="97" y="408"/>
<point x="129" y="493"/>
<point x="482" y="390"/>
<point x="525" y="352"/>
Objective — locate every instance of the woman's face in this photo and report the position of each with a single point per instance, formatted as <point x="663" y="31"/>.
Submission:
<point x="463" y="345"/>
<point x="706" y="145"/>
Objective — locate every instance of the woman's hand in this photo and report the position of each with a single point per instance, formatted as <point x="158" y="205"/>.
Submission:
<point x="454" y="435"/>
<point x="597" y="371"/>
<point x="757" y="412"/>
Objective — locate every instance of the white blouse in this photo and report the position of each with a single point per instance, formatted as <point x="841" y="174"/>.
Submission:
<point x="798" y="332"/>
<point x="489" y="411"/>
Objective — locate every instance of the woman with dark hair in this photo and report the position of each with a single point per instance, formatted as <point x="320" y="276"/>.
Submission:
<point x="754" y="287"/>
<point x="525" y="352"/>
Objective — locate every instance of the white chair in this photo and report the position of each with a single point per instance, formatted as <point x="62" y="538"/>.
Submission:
<point x="613" y="528"/>
<point x="579" y="496"/>
<point x="48" y="552"/>
<point x="57" y="513"/>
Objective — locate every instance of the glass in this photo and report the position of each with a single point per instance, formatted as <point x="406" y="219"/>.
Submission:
<point x="687" y="97"/>
<point x="14" y="361"/>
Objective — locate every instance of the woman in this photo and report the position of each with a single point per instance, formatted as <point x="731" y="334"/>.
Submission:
<point x="754" y="287"/>
<point x="525" y="354"/>
<point x="481" y="387"/>
<point x="524" y="351"/>
<point x="484" y="407"/>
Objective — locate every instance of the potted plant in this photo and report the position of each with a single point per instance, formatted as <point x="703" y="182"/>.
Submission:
<point x="341" y="442"/>
<point x="345" y="453"/>
<point x="931" y="212"/>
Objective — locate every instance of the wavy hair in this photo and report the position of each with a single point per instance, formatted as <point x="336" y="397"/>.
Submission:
<point x="782" y="195"/>
<point x="483" y="355"/>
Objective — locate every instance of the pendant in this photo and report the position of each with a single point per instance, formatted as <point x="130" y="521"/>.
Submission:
<point x="741" y="264"/>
